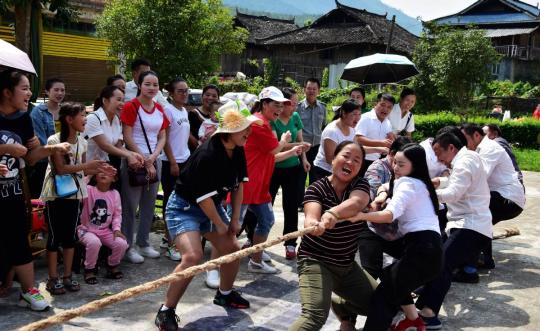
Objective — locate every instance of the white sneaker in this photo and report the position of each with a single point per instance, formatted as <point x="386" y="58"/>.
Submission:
<point x="173" y="254"/>
<point x="34" y="300"/>
<point x="261" y="268"/>
<point x="212" y="278"/>
<point x="265" y="257"/>
<point x="148" y="251"/>
<point x="133" y="256"/>
<point x="164" y="243"/>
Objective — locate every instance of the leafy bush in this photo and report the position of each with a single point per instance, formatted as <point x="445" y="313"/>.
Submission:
<point x="524" y="132"/>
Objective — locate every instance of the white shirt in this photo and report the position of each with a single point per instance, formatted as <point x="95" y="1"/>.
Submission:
<point x="131" y="92"/>
<point x="178" y="133"/>
<point x="501" y="175"/>
<point x="400" y="123"/>
<point x="435" y="167"/>
<point x="466" y="194"/>
<point x="412" y="206"/>
<point x="331" y="132"/>
<point x="98" y="124"/>
<point x="371" y="127"/>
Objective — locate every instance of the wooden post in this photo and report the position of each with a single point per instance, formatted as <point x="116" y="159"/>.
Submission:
<point x="391" y="34"/>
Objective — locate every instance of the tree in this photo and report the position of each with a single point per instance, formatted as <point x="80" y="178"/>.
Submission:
<point x="453" y="64"/>
<point x="180" y="38"/>
<point x="23" y="15"/>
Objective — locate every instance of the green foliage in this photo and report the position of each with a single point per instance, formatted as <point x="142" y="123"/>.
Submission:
<point x="528" y="159"/>
<point x="180" y="38"/>
<point x="507" y="88"/>
<point x="453" y="64"/>
<point x="271" y="72"/>
<point x="524" y="132"/>
<point x="325" y="77"/>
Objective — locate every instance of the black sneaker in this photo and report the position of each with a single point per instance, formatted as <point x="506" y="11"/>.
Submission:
<point x="432" y="323"/>
<point x="167" y="320"/>
<point x="465" y="277"/>
<point x="233" y="300"/>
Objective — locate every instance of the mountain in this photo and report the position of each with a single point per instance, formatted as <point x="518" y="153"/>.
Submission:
<point x="303" y="10"/>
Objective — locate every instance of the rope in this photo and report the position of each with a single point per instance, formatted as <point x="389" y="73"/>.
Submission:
<point x="153" y="285"/>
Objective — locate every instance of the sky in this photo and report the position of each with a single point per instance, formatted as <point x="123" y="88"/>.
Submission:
<point x="430" y="9"/>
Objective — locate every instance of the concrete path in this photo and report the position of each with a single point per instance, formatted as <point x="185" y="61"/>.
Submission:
<point x="506" y="298"/>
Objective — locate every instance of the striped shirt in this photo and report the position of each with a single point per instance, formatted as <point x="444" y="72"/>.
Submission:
<point x="336" y="246"/>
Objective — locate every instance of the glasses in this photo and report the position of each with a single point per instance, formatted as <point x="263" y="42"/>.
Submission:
<point x="182" y="90"/>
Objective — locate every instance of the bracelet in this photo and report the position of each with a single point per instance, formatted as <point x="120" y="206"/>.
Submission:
<point x="332" y="213"/>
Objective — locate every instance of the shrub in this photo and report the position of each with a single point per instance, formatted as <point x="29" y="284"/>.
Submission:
<point x="524" y="132"/>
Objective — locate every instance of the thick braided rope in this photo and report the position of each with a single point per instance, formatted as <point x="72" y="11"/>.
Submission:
<point x="153" y="285"/>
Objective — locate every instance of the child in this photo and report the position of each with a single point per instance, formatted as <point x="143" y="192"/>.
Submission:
<point x="415" y="205"/>
<point x="63" y="212"/>
<point x="101" y="219"/>
<point x="209" y="125"/>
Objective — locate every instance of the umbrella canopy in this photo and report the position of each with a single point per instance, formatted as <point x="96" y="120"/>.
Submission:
<point x="379" y="68"/>
<point x="12" y="57"/>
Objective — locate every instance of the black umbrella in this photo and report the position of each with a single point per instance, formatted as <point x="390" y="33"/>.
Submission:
<point x="379" y="68"/>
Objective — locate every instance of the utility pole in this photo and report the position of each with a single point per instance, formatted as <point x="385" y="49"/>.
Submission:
<point x="391" y="34"/>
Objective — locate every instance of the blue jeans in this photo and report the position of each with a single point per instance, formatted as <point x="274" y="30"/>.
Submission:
<point x="264" y="214"/>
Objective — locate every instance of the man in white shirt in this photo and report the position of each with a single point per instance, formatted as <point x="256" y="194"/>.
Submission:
<point x="374" y="128"/>
<point x="401" y="117"/>
<point x="469" y="227"/>
<point x="139" y="66"/>
<point x="507" y="192"/>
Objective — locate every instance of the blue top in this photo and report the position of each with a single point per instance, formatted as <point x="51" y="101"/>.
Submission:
<point x="43" y="122"/>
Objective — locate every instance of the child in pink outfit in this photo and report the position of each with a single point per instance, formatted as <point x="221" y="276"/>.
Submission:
<point x="101" y="220"/>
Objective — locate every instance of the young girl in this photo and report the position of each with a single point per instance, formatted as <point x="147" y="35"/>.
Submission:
<point x="101" y="219"/>
<point x="63" y="213"/>
<point x="414" y="204"/>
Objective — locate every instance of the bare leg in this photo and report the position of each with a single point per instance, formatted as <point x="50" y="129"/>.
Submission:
<point x="427" y="312"/>
<point x="189" y="245"/>
<point x="25" y="273"/>
<point x="225" y="244"/>
<point x="68" y="260"/>
<point x="410" y="311"/>
<point x="52" y="261"/>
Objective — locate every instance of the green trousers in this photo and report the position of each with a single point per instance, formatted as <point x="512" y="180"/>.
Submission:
<point x="318" y="280"/>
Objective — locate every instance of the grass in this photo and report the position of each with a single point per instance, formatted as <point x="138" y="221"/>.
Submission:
<point x="528" y="159"/>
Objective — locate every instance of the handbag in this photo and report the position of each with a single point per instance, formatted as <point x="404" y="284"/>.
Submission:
<point x="140" y="176"/>
<point x="67" y="185"/>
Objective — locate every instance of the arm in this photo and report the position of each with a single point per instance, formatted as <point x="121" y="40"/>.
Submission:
<point x="236" y="203"/>
<point x="347" y="210"/>
<point x="37" y="123"/>
<point x="117" y="212"/>
<point x="365" y="141"/>
<point x="457" y="185"/>
<point x="312" y="211"/>
<point x="329" y="147"/>
<point x="134" y="159"/>
<point x="209" y="209"/>
<point x="296" y="150"/>
<point x="61" y="168"/>
<point x="306" y="146"/>
<point x="170" y="156"/>
<point x="127" y="132"/>
<point x="285" y="138"/>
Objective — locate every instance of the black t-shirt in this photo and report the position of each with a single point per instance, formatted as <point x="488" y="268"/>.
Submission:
<point x="14" y="129"/>
<point x="209" y="172"/>
<point x="195" y="118"/>
<point x="336" y="246"/>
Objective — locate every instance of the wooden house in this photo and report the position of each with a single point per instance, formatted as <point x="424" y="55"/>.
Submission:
<point x="512" y="26"/>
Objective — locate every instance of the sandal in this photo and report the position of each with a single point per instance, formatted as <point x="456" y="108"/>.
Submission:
<point x="70" y="284"/>
<point x="113" y="273"/>
<point x="90" y="276"/>
<point x="54" y="287"/>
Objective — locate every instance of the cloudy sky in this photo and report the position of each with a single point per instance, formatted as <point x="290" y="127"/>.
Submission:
<point x="430" y="9"/>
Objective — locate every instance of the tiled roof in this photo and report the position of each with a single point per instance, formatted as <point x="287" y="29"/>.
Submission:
<point x="261" y="27"/>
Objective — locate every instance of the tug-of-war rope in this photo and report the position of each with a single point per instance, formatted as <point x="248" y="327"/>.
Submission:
<point x="153" y="285"/>
<point x="189" y="272"/>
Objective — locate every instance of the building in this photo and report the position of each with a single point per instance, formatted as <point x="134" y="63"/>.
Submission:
<point x="70" y="50"/>
<point x="512" y="26"/>
<point x="331" y="41"/>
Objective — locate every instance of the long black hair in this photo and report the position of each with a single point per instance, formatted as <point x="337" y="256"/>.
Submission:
<point x="8" y="80"/>
<point x="142" y="76"/>
<point x="106" y="93"/>
<point x="347" y="107"/>
<point x="70" y="109"/>
<point x="417" y="156"/>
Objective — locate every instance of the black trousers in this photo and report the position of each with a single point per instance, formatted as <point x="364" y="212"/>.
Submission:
<point x="421" y="262"/>
<point x="371" y="248"/>
<point x="317" y="173"/>
<point x="310" y="155"/>
<point x="36" y="176"/>
<point x="62" y="220"/>
<point x="461" y="245"/>
<point x="292" y="187"/>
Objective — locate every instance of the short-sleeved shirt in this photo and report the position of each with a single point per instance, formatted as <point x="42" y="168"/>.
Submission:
<point x="211" y="173"/>
<point x="294" y="125"/>
<point x="334" y="133"/>
<point x="98" y="124"/>
<point x="371" y="127"/>
<point x="260" y="162"/>
<point x="335" y="246"/>
<point x="154" y="121"/>
<point x="313" y="118"/>
<point x="178" y="133"/>
<point x="75" y="157"/>
<point x="14" y="129"/>
<point x="401" y="123"/>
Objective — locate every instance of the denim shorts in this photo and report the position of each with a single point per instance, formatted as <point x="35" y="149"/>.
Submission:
<point x="184" y="217"/>
<point x="264" y="214"/>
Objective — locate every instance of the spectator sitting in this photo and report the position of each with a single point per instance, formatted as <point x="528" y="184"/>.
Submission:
<point x="497" y="112"/>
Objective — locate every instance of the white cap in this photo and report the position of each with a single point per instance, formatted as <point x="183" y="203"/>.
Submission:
<point x="273" y="93"/>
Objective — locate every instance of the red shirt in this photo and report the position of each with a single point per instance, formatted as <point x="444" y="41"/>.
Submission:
<point x="536" y="114"/>
<point x="260" y="162"/>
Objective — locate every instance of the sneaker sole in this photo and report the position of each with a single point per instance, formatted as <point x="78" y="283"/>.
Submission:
<point x="255" y="271"/>
<point x="231" y="305"/>
<point x="24" y="304"/>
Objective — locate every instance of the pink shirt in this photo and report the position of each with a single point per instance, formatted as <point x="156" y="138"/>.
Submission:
<point x="100" y="210"/>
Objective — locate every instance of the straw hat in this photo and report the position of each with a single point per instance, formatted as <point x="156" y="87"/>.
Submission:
<point x="234" y="116"/>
